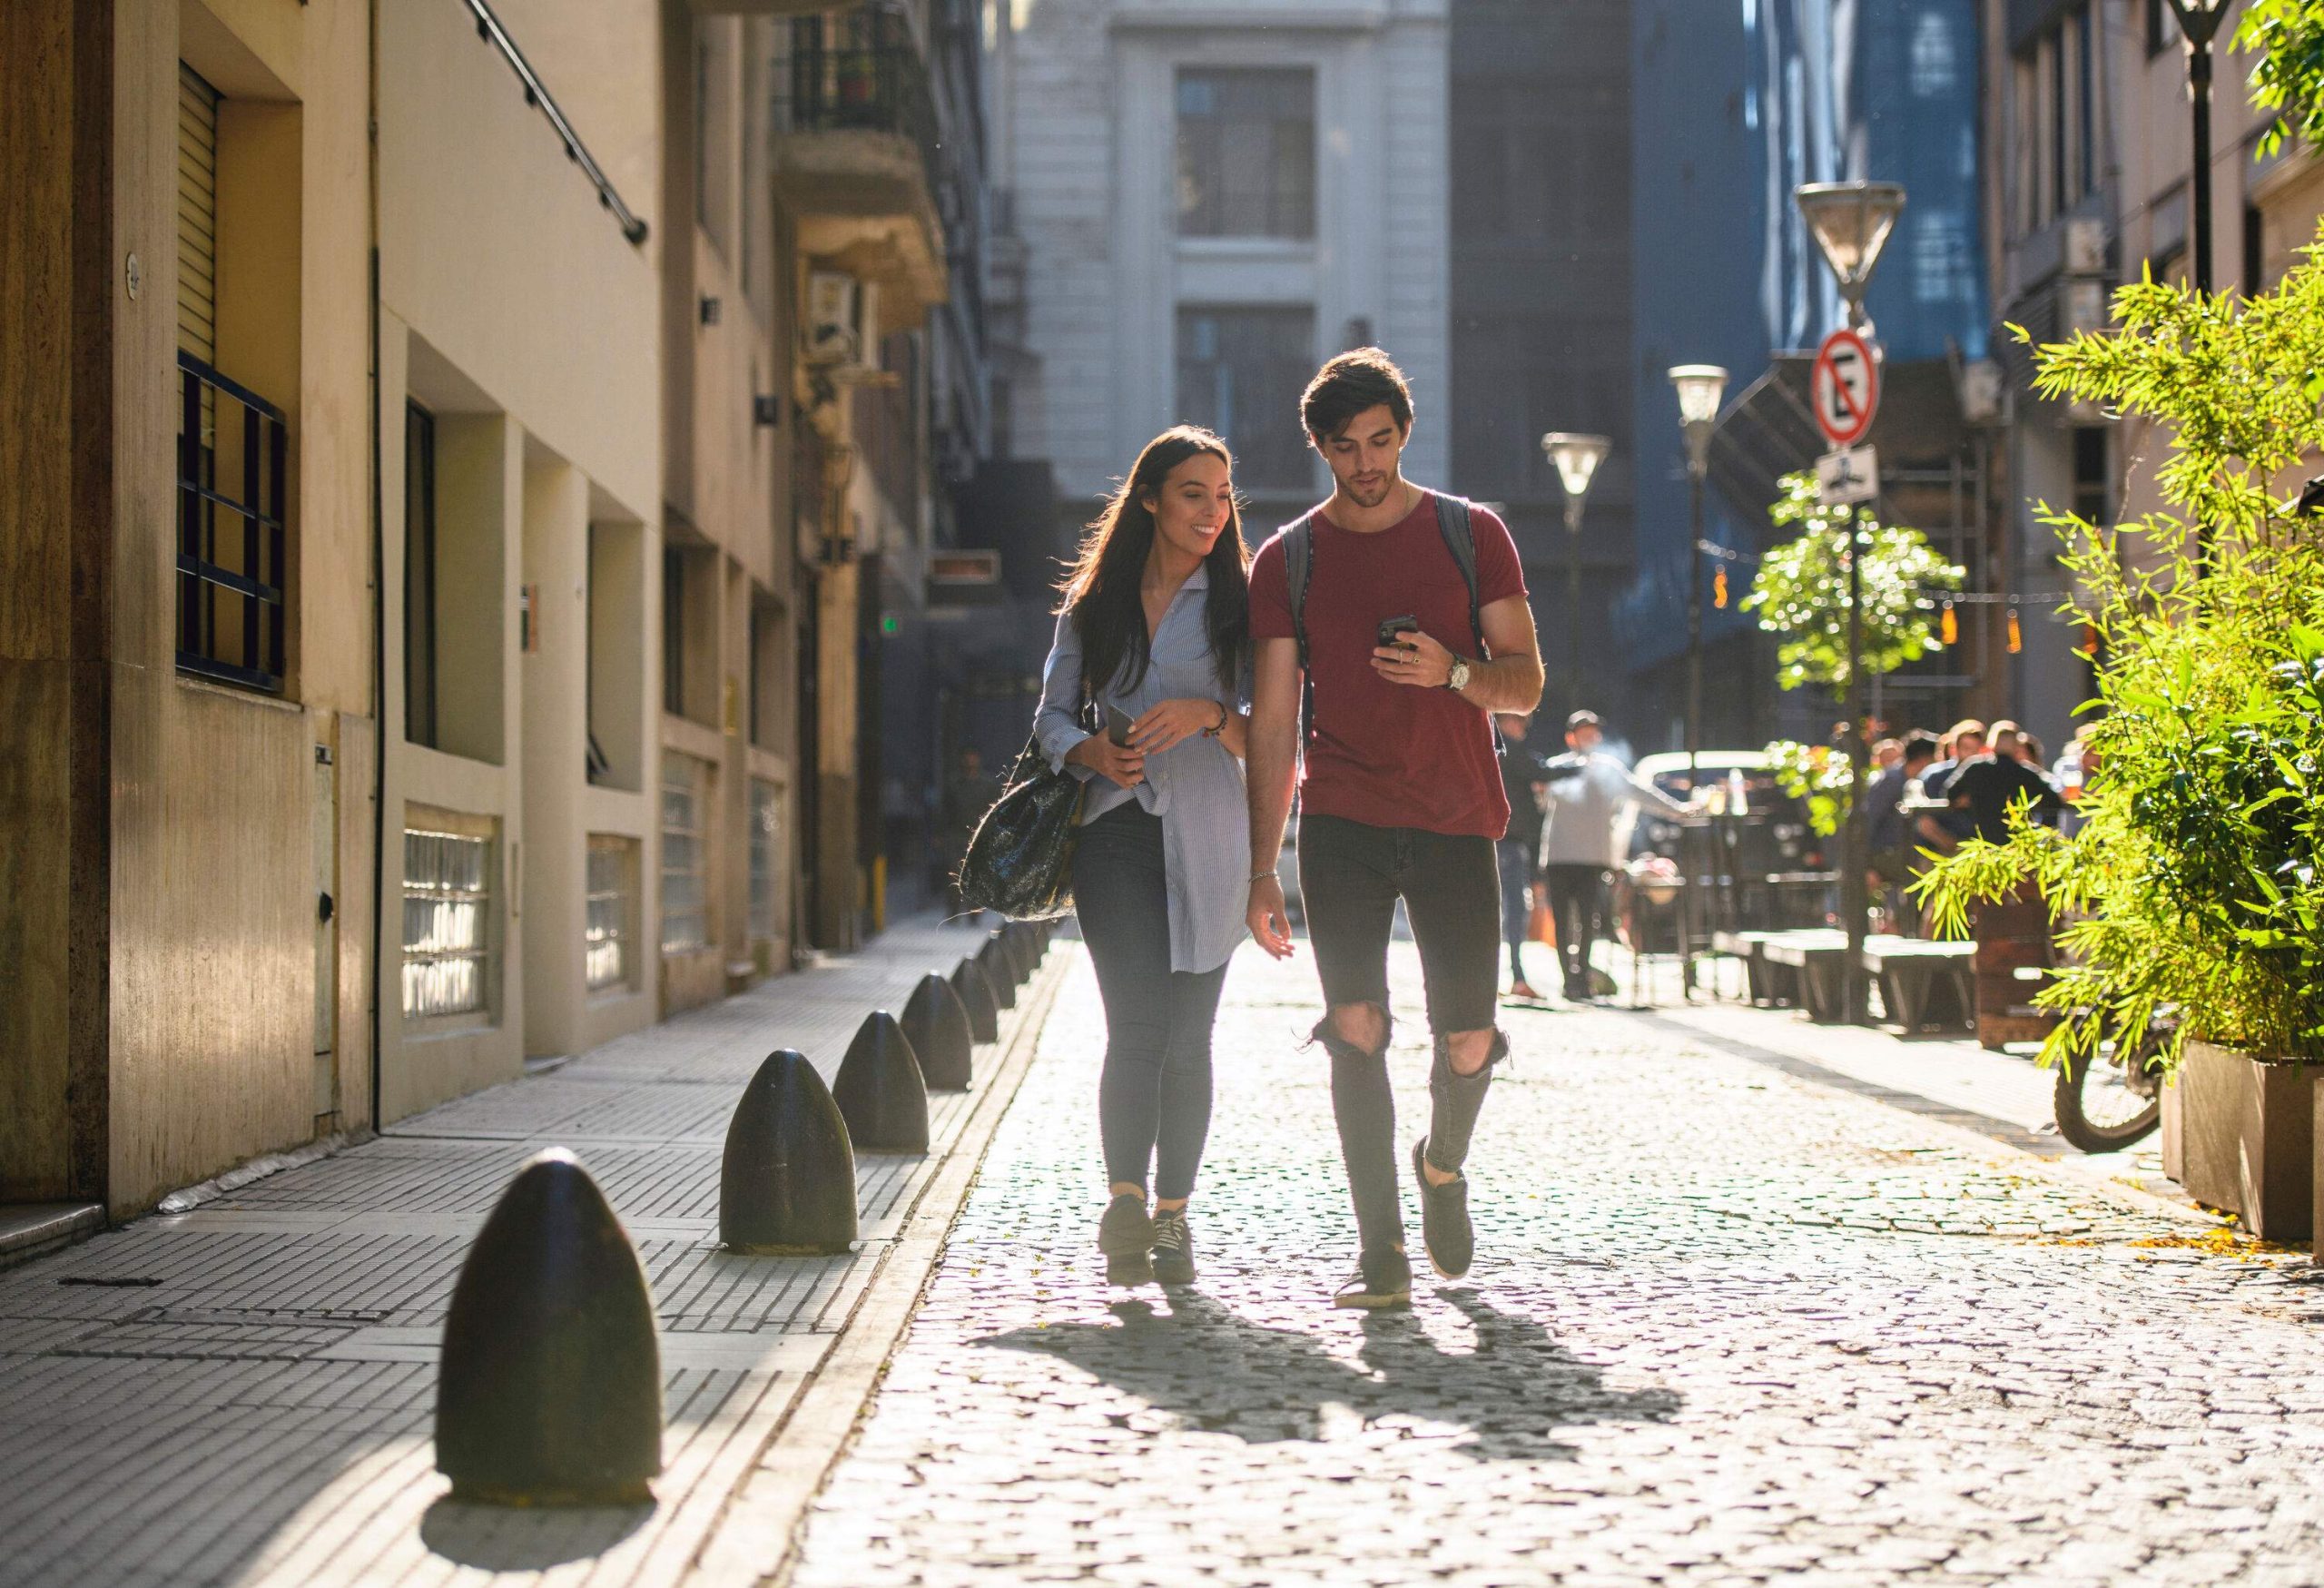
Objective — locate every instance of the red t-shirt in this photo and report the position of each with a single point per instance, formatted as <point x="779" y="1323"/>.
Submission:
<point x="1391" y="754"/>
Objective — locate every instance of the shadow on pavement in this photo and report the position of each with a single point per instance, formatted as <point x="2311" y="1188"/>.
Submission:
<point x="492" y="1538"/>
<point x="1506" y="1400"/>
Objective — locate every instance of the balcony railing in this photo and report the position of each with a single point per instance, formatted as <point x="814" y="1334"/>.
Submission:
<point x="231" y="552"/>
<point x="858" y="70"/>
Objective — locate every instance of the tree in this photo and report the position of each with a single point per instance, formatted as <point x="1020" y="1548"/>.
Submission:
<point x="1802" y="593"/>
<point x="2288" y="77"/>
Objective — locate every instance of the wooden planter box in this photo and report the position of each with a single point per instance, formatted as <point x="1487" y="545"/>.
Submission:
<point x="2240" y="1133"/>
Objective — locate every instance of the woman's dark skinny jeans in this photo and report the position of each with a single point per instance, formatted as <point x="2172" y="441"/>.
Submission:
<point x="1154" y="1096"/>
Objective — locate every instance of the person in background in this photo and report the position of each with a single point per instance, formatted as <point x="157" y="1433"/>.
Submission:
<point x="1884" y="823"/>
<point x="1942" y="831"/>
<point x="968" y="797"/>
<point x="1519" y="849"/>
<point x="1588" y="791"/>
<point x="1886" y="754"/>
<point x="1985" y="789"/>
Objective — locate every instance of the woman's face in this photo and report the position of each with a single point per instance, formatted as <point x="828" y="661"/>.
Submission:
<point x="1193" y="505"/>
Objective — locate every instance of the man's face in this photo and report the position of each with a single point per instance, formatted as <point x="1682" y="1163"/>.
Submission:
<point x="1583" y="738"/>
<point x="1512" y="728"/>
<point x="1968" y="745"/>
<point x="1364" y="457"/>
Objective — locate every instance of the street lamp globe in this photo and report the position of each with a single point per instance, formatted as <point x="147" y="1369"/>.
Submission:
<point x="1577" y="457"/>
<point x="1700" y="388"/>
<point x="1851" y="221"/>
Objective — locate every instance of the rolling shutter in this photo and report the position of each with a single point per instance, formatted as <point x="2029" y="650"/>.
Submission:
<point x="197" y="216"/>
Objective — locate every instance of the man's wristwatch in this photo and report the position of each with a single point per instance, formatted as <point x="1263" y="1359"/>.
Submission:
<point x="1459" y="679"/>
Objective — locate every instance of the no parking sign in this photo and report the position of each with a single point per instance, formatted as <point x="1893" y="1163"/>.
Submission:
<point x="1844" y="388"/>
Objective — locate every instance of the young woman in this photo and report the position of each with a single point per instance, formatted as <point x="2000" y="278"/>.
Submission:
<point x="1155" y="624"/>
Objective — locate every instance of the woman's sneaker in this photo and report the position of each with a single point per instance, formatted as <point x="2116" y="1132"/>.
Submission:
<point x="1126" y="1235"/>
<point x="1383" y="1279"/>
<point x="1445" y="1227"/>
<point x="1174" y="1248"/>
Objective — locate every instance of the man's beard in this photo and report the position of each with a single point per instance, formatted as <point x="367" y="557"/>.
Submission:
<point x="1373" y="498"/>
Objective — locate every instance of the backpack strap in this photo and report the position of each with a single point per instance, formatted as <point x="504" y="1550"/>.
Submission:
<point x="1460" y="540"/>
<point x="1298" y="567"/>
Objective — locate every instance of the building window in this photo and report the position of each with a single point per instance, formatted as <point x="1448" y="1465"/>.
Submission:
<point x="2089" y="498"/>
<point x="2255" y="250"/>
<point x="232" y="450"/>
<point x="1246" y="153"/>
<point x="712" y="117"/>
<point x="766" y="857"/>
<point x="685" y="863"/>
<point x="612" y="901"/>
<point x="447" y="865"/>
<point x="2058" y="120"/>
<point x="1240" y="373"/>
<point x="420" y="724"/>
<point x="674" y="631"/>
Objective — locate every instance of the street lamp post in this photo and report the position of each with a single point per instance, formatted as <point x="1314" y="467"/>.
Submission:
<point x="2199" y="21"/>
<point x="1700" y="388"/>
<point x="1851" y="221"/>
<point x="1577" y="457"/>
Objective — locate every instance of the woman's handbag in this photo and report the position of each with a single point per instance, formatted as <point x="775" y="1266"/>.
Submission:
<point x="1020" y="860"/>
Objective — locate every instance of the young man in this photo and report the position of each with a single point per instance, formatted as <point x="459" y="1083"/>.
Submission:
<point x="1402" y="795"/>
<point x="1589" y="790"/>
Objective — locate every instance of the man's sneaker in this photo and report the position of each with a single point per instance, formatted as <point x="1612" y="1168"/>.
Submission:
<point x="1444" y="1218"/>
<point x="1125" y="1235"/>
<point x="1174" y="1248"/>
<point x="1383" y="1279"/>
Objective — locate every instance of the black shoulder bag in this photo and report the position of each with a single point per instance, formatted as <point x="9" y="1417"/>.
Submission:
<point x="1020" y="860"/>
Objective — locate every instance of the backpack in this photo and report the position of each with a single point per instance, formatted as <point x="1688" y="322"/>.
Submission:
<point x="1299" y="567"/>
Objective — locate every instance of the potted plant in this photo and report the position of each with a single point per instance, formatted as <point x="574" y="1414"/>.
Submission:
<point x="2190" y="889"/>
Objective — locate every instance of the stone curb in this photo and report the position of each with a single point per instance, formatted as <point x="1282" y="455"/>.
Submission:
<point x="755" y="1538"/>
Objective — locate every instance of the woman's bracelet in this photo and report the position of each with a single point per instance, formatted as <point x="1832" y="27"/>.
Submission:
<point x="1266" y="876"/>
<point x="1218" y="727"/>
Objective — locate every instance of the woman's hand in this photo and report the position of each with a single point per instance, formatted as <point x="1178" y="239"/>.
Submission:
<point x="1117" y="765"/>
<point x="1173" y="723"/>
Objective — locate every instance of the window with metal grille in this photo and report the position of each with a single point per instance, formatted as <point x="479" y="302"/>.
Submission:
<point x="685" y="868"/>
<point x="447" y="919"/>
<point x="1246" y="152"/>
<point x="766" y="857"/>
<point x="613" y="894"/>
<point x="233" y="448"/>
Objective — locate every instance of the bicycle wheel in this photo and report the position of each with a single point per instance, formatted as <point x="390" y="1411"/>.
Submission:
<point x="2106" y="1105"/>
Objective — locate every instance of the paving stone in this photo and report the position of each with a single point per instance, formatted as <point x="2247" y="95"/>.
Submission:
<point x="1725" y="1326"/>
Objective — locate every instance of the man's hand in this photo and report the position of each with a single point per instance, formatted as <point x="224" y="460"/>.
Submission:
<point x="1172" y="723"/>
<point x="1269" y="922"/>
<point x="1121" y="766"/>
<point x="1420" y="661"/>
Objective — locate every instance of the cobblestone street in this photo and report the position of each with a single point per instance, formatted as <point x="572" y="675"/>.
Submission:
<point x="1727" y="1325"/>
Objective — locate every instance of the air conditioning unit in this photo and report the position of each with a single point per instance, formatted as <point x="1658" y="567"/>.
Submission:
<point x="2085" y="248"/>
<point x="1981" y="391"/>
<point x="834" y="323"/>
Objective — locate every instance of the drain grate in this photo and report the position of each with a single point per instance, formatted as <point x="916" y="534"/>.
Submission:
<point x="221" y="1334"/>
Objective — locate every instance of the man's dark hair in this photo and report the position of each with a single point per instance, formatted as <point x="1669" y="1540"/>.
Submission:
<point x="1357" y="380"/>
<point x="1920" y="744"/>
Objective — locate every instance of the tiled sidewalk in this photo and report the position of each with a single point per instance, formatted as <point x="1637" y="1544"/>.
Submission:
<point x="246" y="1393"/>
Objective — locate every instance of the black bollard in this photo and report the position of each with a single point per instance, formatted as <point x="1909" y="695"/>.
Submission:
<point x="879" y="1090"/>
<point x="1020" y="949"/>
<point x="788" y="1183"/>
<point x="937" y="1026"/>
<point x="976" y="997"/>
<point x="999" y="973"/>
<point x="550" y="1387"/>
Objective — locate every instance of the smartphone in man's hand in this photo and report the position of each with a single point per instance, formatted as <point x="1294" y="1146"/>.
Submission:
<point x="1393" y="629"/>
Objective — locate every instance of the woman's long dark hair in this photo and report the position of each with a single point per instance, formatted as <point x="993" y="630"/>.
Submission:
<point x="1102" y="593"/>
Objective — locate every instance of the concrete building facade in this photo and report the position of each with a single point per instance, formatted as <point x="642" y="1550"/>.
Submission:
<point x="1210" y="200"/>
<point x="446" y="436"/>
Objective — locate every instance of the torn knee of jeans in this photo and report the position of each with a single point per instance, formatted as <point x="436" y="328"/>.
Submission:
<point x="1340" y="1047"/>
<point x="1495" y="1052"/>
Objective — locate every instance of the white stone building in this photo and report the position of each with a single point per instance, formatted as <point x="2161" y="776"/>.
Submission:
<point x="1209" y="200"/>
